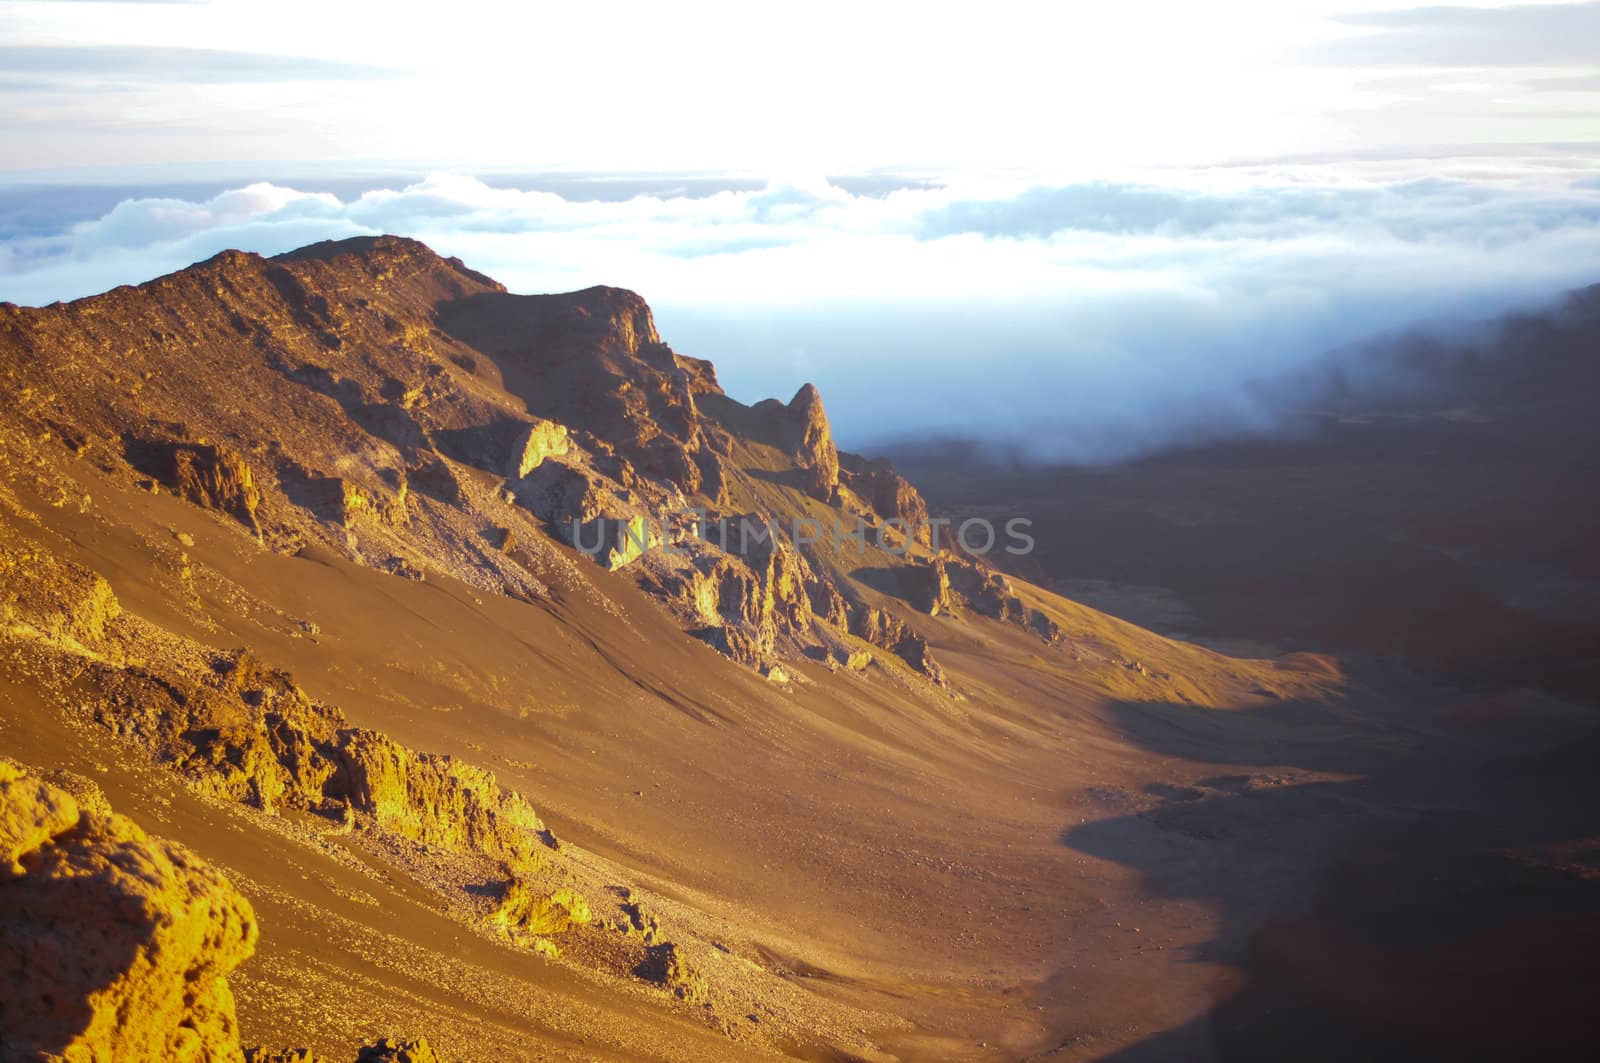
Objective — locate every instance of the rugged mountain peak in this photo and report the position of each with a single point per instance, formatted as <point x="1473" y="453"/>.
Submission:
<point x="887" y="493"/>
<point x="806" y="400"/>
<point x="814" y="451"/>
<point x="386" y="256"/>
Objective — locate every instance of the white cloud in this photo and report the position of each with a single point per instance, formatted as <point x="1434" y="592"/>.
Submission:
<point x="1087" y="320"/>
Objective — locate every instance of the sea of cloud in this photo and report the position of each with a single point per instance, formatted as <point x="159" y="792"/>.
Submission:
<point x="1080" y="321"/>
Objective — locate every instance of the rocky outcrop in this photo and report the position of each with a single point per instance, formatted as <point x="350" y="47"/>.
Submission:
<point x="882" y="628"/>
<point x="914" y="650"/>
<point x="985" y="590"/>
<point x="243" y="731"/>
<point x="889" y="495"/>
<point x="666" y="965"/>
<point x="814" y="451"/>
<point x="387" y="1050"/>
<point x="436" y="799"/>
<point x="540" y="440"/>
<point x="45" y="598"/>
<point x="592" y="361"/>
<point x="283" y="1055"/>
<point x="928" y="587"/>
<point x="735" y="641"/>
<point x="286" y="751"/>
<point x="991" y="594"/>
<point x="951" y="582"/>
<point x="752" y="597"/>
<point x="524" y="913"/>
<point x="114" y="946"/>
<point x="1044" y="627"/>
<point x="776" y="600"/>
<point x="205" y="474"/>
<point x="384" y="1050"/>
<point x="586" y="512"/>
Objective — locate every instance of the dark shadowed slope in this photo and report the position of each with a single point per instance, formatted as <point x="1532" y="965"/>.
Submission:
<point x="1450" y="524"/>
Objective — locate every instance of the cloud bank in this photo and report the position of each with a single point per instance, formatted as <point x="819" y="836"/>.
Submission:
<point x="1082" y="321"/>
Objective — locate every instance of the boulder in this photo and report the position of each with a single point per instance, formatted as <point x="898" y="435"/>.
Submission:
<point x="114" y="946"/>
<point x="51" y="599"/>
<point x="540" y="440"/>
<point x="525" y="913"/>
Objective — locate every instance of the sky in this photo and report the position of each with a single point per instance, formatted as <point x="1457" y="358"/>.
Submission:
<point x="1096" y="230"/>
<point x="776" y="89"/>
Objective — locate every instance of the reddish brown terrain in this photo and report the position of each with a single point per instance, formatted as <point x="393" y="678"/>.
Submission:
<point x="288" y="580"/>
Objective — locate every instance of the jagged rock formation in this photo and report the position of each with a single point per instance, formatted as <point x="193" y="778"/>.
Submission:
<point x="250" y="734"/>
<point x="210" y="476"/>
<point x="113" y="945"/>
<point x="814" y="451"/>
<point x="543" y="439"/>
<point x="384" y="1050"/>
<point x="666" y="965"/>
<point x="592" y="361"/>
<point x="435" y="799"/>
<point x="929" y="587"/>
<point x="387" y="1050"/>
<point x="889" y="495"/>
<point x="526" y="914"/>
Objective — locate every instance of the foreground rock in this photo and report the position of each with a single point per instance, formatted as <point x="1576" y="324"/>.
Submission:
<point x="527" y="915"/>
<point x="385" y="1050"/>
<point x="113" y="945"/>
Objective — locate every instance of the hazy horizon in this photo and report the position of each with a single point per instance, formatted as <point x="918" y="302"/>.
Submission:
<point x="1092" y="234"/>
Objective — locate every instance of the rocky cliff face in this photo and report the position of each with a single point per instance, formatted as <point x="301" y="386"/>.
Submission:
<point x="888" y="494"/>
<point x="592" y="361"/>
<point x="242" y="731"/>
<point x="113" y="945"/>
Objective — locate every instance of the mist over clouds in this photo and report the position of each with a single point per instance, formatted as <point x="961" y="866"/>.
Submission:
<point x="1084" y="321"/>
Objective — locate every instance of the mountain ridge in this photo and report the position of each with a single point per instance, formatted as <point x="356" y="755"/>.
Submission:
<point x="397" y="410"/>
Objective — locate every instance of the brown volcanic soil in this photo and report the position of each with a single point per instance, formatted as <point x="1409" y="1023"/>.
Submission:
<point x="1064" y="853"/>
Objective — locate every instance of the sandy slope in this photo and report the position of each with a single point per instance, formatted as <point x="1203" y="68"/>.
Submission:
<point x="881" y="845"/>
<point x="1067" y="851"/>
